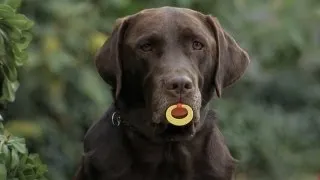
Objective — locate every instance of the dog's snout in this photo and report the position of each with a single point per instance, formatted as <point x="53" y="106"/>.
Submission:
<point x="179" y="85"/>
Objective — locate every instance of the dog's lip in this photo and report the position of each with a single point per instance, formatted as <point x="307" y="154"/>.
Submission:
<point x="180" y="101"/>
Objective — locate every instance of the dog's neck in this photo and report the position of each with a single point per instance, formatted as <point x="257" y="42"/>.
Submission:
<point x="132" y="120"/>
<point x="181" y="155"/>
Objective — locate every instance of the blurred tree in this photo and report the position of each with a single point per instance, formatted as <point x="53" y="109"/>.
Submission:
<point x="270" y="118"/>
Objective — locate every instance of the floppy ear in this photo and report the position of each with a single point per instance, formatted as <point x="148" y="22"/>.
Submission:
<point x="108" y="60"/>
<point x="231" y="62"/>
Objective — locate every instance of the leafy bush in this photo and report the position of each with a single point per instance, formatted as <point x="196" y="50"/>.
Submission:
<point x="14" y="39"/>
<point x="15" y="161"/>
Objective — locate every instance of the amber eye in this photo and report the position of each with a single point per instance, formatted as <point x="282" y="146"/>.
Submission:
<point x="196" y="45"/>
<point x="146" y="47"/>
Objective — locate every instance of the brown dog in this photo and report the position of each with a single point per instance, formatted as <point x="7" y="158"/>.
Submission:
<point x="154" y="59"/>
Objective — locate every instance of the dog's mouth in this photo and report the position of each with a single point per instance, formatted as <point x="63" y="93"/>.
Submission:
<point x="177" y="121"/>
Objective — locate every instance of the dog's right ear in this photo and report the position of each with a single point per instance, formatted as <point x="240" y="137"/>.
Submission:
<point x="108" y="60"/>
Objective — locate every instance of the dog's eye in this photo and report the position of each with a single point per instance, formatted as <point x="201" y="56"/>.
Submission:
<point x="196" y="45"/>
<point x="146" y="47"/>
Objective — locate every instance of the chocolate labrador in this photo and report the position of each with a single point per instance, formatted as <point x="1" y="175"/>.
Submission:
<point x="152" y="60"/>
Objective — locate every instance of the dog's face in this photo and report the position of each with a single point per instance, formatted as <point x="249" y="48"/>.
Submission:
<point x="159" y="57"/>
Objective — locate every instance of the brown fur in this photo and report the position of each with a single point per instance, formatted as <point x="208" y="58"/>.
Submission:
<point x="154" y="59"/>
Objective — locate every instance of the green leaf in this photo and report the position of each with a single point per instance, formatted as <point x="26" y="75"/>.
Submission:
<point x="8" y="90"/>
<point x="3" y="172"/>
<point x="6" y="154"/>
<point x="24" y="41"/>
<point x="15" y="34"/>
<point x="20" y="21"/>
<point x="20" y="56"/>
<point x="4" y="36"/>
<point x="14" y="159"/>
<point x="21" y="59"/>
<point x="5" y="150"/>
<point x="15" y="4"/>
<point x="28" y="171"/>
<point x="2" y="158"/>
<point x="18" y="144"/>
<point x="33" y="158"/>
<point x="30" y="165"/>
<point x="23" y="159"/>
<point x="2" y="47"/>
<point x="6" y="11"/>
<point x="5" y="89"/>
<point x="11" y="71"/>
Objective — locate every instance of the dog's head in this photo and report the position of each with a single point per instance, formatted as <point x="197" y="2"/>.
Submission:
<point x="159" y="57"/>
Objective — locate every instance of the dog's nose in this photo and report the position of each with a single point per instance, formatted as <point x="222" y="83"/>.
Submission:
<point x="179" y="85"/>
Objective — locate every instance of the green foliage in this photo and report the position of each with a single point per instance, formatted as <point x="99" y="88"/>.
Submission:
<point x="15" y="162"/>
<point x="270" y="117"/>
<point x="14" y="39"/>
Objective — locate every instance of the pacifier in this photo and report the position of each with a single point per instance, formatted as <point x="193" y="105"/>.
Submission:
<point x="179" y="114"/>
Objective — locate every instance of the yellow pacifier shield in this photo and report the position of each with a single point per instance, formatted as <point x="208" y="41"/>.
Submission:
<point x="174" y="111"/>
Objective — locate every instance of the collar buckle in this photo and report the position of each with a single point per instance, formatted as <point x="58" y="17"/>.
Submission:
<point x="116" y="119"/>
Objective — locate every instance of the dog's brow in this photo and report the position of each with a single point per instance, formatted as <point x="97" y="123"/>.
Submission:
<point x="189" y="32"/>
<point x="149" y="37"/>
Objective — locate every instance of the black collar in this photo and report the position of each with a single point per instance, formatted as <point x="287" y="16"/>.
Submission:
<point x="119" y="122"/>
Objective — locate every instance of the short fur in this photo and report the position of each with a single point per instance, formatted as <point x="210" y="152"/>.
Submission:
<point x="154" y="59"/>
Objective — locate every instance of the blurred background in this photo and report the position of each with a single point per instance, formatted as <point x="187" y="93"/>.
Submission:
<point x="270" y="118"/>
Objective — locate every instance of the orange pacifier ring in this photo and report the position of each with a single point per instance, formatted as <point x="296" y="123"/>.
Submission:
<point x="179" y="114"/>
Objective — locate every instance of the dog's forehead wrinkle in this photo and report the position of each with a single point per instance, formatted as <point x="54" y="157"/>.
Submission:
<point x="165" y="20"/>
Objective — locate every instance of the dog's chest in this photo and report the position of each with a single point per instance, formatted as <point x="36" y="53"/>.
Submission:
<point x="173" y="163"/>
<point x="165" y="172"/>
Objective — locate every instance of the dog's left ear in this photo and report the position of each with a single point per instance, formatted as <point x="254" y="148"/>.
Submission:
<point x="231" y="60"/>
